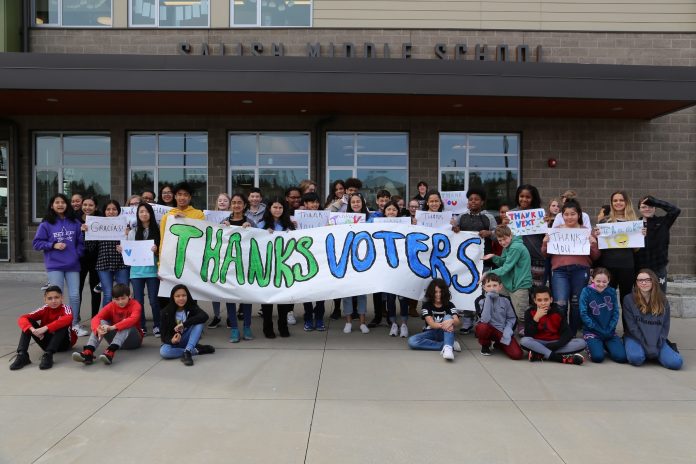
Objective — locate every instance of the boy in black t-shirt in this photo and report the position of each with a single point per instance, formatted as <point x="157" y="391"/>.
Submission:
<point x="440" y="318"/>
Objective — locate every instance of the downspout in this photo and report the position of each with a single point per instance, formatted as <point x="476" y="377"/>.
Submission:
<point x="26" y="20"/>
<point x="318" y="128"/>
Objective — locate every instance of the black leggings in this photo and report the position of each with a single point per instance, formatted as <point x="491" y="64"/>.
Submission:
<point x="51" y="342"/>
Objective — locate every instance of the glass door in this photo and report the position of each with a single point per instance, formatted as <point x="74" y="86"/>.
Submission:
<point x="4" y="205"/>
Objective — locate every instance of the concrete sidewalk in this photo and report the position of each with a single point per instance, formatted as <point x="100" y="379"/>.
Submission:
<point x="334" y="398"/>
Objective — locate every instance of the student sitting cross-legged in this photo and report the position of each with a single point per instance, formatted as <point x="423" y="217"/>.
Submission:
<point x="547" y="335"/>
<point x="497" y="320"/>
<point x="118" y="322"/>
<point x="182" y="325"/>
<point x="440" y="318"/>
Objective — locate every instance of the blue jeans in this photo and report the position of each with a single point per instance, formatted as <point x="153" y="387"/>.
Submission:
<point x="348" y="305"/>
<point x="596" y="348"/>
<point x="108" y="278"/>
<point x="314" y="312"/>
<point x="667" y="356"/>
<point x="139" y="294"/>
<point x="567" y="282"/>
<point x="391" y="307"/>
<point x="188" y="342"/>
<point x="59" y="278"/>
<point x="431" y="339"/>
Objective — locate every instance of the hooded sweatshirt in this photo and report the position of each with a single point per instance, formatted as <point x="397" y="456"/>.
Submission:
<point x="63" y="231"/>
<point x="497" y="311"/>
<point x="514" y="266"/>
<point x="193" y="315"/>
<point x="552" y="326"/>
<point x="650" y="331"/>
<point x="599" y="312"/>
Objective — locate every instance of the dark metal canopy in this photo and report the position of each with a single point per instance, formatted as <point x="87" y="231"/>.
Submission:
<point x="32" y="83"/>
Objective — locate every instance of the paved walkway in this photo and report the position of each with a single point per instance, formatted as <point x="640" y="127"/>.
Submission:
<point x="334" y="398"/>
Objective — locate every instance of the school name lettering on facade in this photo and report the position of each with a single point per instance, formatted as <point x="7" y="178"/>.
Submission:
<point x="479" y="52"/>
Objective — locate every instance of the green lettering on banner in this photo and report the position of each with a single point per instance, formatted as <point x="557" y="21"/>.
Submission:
<point x="282" y="270"/>
<point x="257" y="272"/>
<point x="211" y="254"/>
<point x="233" y="253"/>
<point x="303" y="246"/>
<point x="185" y="233"/>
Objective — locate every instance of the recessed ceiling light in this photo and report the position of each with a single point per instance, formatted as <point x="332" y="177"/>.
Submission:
<point x="303" y="110"/>
<point x="617" y="108"/>
<point x="247" y="102"/>
<point x="52" y="100"/>
<point x="457" y="105"/>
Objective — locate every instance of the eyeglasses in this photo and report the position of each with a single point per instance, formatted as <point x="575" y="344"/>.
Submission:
<point x="644" y="281"/>
<point x="413" y="207"/>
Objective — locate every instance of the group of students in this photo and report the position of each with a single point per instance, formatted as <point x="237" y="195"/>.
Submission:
<point x="514" y="285"/>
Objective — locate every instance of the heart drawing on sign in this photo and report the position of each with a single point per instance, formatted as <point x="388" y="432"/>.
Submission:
<point x="128" y="251"/>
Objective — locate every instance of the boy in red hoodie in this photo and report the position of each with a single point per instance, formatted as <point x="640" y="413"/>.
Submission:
<point x="119" y="323"/>
<point x="49" y="326"/>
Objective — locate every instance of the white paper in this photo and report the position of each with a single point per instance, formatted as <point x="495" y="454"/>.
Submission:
<point x="527" y="222"/>
<point x="138" y="252"/>
<point x="309" y="219"/>
<point x="455" y="201"/>
<point x="569" y="241"/>
<point x="621" y="235"/>
<point x="105" y="228"/>
<point x="345" y="218"/>
<point x="437" y="220"/>
<point x="216" y="216"/>
<point x="393" y="220"/>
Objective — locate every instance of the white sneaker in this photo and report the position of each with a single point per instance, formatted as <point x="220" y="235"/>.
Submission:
<point x="456" y="346"/>
<point x="394" y="330"/>
<point x="347" y="328"/>
<point x="447" y="353"/>
<point x="291" y="318"/>
<point x="404" y="331"/>
<point x="81" y="331"/>
<point x="364" y="329"/>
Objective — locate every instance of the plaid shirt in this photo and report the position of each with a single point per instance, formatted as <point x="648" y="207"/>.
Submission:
<point x="108" y="259"/>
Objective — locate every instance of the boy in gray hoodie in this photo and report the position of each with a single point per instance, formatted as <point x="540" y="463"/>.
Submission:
<point x="497" y="320"/>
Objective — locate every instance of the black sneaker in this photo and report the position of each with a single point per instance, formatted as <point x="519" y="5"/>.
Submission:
<point x="46" y="361"/>
<point x="214" y="323"/>
<point x="336" y="314"/>
<point x="84" y="356"/>
<point x="374" y="322"/>
<point x="486" y="350"/>
<point x="464" y="331"/>
<point x="229" y="324"/>
<point x="21" y="359"/>
<point x="107" y="357"/>
<point x="187" y="358"/>
<point x="205" y="349"/>
<point x="534" y="357"/>
<point x="576" y="359"/>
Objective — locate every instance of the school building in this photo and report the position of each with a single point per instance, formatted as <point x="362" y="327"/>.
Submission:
<point x="108" y="97"/>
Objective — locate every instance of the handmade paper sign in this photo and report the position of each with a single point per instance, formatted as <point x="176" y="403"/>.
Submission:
<point x="569" y="241"/>
<point x="309" y="219"/>
<point x="527" y="222"/>
<point x="621" y="235"/>
<point x="437" y="220"/>
<point x="215" y="216"/>
<point x="455" y="201"/>
<point x="129" y="213"/>
<point x="393" y="220"/>
<point x="105" y="228"/>
<point x="345" y="218"/>
<point x="138" y="252"/>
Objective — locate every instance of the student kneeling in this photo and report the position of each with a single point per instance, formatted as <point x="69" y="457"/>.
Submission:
<point x="182" y="325"/>
<point x="119" y="323"/>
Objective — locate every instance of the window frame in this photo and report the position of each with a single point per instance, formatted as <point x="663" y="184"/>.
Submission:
<point x="60" y="19"/>
<point x="255" y="168"/>
<point x="258" y="18"/>
<point x="156" y="167"/>
<point x="157" y="19"/>
<point x="60" y="167"/>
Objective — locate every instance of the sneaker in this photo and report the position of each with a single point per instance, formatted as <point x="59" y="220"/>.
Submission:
<point x="447" y="353"/>
<point x="456" y="346"/>
<point x="46" y="361"/>
<point x="403" y="333"/>
<point x="319" y="325"/>
<point x="534" y="357"/>
<point x="43" y="289"/>
<point x="156" y="331"/>
<point x="240" y="315"/>
<point x="20" y="360"/>
<point x="394" y="330"/>
<point x="283" y="332"/>
<point x="234" y="336"/>
<point x="84" y="356"/>
<point x="308" y="326"/>
<point x="248" y="335"/>
<point x="336" y="314"/>
<point x="259" y="313"/>
<point x="374" y="322"/>
<point x="107" y="357"/>
<point x="364" y="329"/>
<point x="98" y="288"/>
<point x="229" y="324"/>
<point x="187" y="358"/>
<point x="464" y="331"/>
<point x="485" y="350"/>
<point x="80" y="331"/>
<point x="347" y="328"/>
<point x="576" y="359"/>
<point x="144" y="330"/>
<point x="214" y="323"/>
<point x="291" y="318"/>
<point x="205" y="349"/>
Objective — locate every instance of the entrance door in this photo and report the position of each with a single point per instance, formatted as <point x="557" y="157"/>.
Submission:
<point x="4" y="204"/>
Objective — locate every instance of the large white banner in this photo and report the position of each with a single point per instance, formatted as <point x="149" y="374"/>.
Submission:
<point x="621" y="235"/>
<point x="105" y="228"/>
<point x="254" y="266"/>
<point x="569" y="241"/>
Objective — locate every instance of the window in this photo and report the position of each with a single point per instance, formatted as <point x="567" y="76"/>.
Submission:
<point x="271" y="161"/>
<point x="169" y="13"/>
<point x="72" y="13"/>
<point x="490" y="161"/>
<point x="70" y="163"/>
<point x="160" y="158"/>
<point x="379" y="160"/>
<point x="271" y="13"/>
